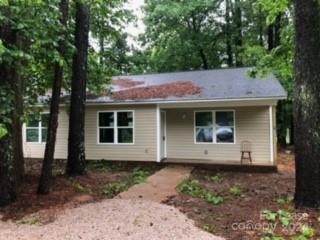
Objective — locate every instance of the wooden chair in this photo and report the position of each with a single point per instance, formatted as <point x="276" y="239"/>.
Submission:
<point x="246" y="149"/>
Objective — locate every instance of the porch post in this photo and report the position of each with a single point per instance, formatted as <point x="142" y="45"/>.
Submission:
<point x="158" y="116"/>
<point x="271" y="133"/>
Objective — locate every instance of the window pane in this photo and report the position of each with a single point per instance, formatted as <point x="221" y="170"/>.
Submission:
<point x="125" y="119"/>
<point x="125" y="135"/>
<point x="32" y="135"/>
<point x="106" y="119"/>
<point x="224" y="118"/>
<point x="44" y="134"/>
<point x="33" y="121"/>
<point x="204" y="134"/>
<point x="44" y="120"/>
<point x="106" y="135"/>
<point x="225" y="134"/>
<point x="203" y="118"/>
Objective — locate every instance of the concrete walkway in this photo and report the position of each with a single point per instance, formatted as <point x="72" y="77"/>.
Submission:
<point x="159" y="186"/>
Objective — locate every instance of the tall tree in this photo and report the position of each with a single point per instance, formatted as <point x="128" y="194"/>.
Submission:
<point x="228" y="34"/>
<point x="76" y="144"/>
<point x="307" y="103"/>
<point x="8" y="39"/>
<point x="238" y="27"/>
<point x="46" y="174"/>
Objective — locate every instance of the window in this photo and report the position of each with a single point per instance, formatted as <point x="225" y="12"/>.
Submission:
<point x="214" y="127"/>
<point x="36" y="128"/>
<point x="115" y="127"/>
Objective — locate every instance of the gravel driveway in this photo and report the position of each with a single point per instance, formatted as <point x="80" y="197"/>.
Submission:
<point x="112" y="219"/>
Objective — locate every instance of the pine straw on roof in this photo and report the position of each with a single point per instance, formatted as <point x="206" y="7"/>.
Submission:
<point x="176" y="89"/>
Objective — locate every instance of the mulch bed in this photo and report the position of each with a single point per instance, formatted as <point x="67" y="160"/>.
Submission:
<point x="239" y="217"/>
<point x="67" y="192"/>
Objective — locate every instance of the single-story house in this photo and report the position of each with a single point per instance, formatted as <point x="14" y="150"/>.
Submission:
<point x="195" y="116"/>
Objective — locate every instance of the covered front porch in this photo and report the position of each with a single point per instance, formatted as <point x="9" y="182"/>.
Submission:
<point x="212" y="133"/>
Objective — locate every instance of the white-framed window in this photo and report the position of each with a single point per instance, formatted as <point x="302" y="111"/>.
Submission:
<point x="116" y="127"/>
<point x="37" y="128"/>
<point x="216" y="126"/>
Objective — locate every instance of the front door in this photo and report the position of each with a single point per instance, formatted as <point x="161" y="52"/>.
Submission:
<point x="163" y="146"/>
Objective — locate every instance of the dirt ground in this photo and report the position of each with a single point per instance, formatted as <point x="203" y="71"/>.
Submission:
<point x="67" y="192"/>
<point x="245" y="197"/>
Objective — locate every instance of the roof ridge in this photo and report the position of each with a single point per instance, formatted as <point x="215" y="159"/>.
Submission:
<point x="186" y="71"/>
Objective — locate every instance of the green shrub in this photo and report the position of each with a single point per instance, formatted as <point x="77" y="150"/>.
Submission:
<point x="193" y="189"/>
<point x="212" y="198"/>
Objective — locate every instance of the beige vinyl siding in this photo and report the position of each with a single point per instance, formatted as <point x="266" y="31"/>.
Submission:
<point x="36" y="150"/>
<point x="145" y="135"/>
<point x="143" y="149"/>
<point x="251" y="123"/>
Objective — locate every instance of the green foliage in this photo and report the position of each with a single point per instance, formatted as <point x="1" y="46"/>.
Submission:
<point x="193" y="189"/>
<point x="307" y="231"/>
<point x="3" y="131"/>
<point x="281" y="200"/>
<point x="139" y="175"/>
<point x="114" y="188"/>
<point x="235" y="191"/>
<point x="32" y="220"/>
<point x="217" y="178"/>
<point x="103" y="165"/>
<point x="268" y="215"/>
<point x="282" y="215"/>
<point x="78" y="186"/>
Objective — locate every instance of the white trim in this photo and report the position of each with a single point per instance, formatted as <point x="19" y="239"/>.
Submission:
<point x="158" y="120"/>
<point x="214" y="127"/>
<point x="271" y="134"/>
<point x="165" y="134"/>
<point x="183" y="101"/>
<point x="115" y="127"/>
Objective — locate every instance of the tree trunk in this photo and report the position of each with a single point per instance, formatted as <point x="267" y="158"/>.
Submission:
<point x="76" y="148"/>
<point x="277" y="31"/>
<point x="228" y="35"/>
<point x="17" y="125"/>
<point x="270" y="37"/>
<point x="260" y="20"/>
<point x="307" y="103"/>
<point x="46" y="174"/>
<point x="8" y="104"/>
<point x="204" y="59"/>
<point x="238" y="39"/>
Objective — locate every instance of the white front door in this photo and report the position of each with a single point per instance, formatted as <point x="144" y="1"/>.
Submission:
<point x="163" y="127"/>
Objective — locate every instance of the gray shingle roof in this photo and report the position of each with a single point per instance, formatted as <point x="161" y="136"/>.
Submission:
<point x="218" y="84"/>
